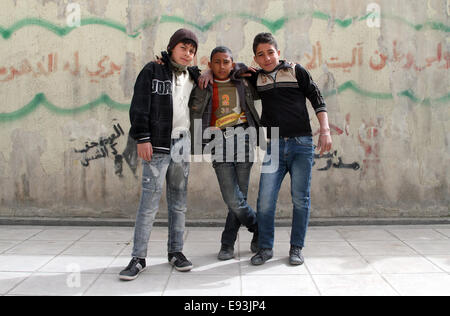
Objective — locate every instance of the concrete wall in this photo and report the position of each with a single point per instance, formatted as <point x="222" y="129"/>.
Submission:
<point x="64" y="89"/>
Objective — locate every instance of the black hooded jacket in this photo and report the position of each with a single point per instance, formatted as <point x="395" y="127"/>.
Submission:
<point x="151" y="112"/>
<point x="284" y="98"/>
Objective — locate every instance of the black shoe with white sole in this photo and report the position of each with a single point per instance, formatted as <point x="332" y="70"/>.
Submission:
<point x="179" y="261"/>
<point x="262" y="256"/>
<point x="132" y="271"/>
<point x="226" y="253"/>
<point x="296" y="256"/>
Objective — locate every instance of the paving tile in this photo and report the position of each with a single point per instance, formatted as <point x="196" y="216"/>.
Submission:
<point x="127" y="250"/>
<point x="109" y="235"/>
<point x="60" y="234"/>
<point x="83" y="264"/>
<point x="200" y="249"/>
<point x="437" y="284"/>
<point x="10" y="279"/>
<point x="278" y="285"/>
<point x="436" y="247"/>
<point x="381" y="248"/>
<point x="54" y="284"/>
<point x="23" y="263"/>
<point x="275" y="266"/>
<point x="5" y="245"/>
<point x="417" y="234"/>
<point x="442" y="262"/>
<point x="95" y="249"/>
<point x="203" y="285"/>
<point x="43" y="247"/>
<point x="244" y="251"/>
<point x="328" y="248"/>
<point x="17" y="233"/>
<point x="144" y="285"/>
<point x="366" y="235"/>
<point x="281" y="249"/>
<point x="211" y="235"/>
<point x="353" y="285"/>
<point x="323" y="235"/>
<point x="444" y="231"/>
<point x="211" y="265"/>
<point x="338" y="265"/>
<point x="372" y="260"/>
<point x="402" y="264"/>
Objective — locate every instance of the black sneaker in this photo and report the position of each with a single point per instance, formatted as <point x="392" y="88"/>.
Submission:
<point x="262" y="256"/>
<point x="179" y="261"/>
<point x="134" y="268"/>
<point x="254" y="243"/>
<point x="226" y="253"/>
<point x="295" y="256"/>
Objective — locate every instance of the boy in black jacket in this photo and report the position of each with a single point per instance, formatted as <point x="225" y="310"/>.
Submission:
<point x="283" y="89"/>
<point x="160" y="123"/>
<point x="227" y="106"/>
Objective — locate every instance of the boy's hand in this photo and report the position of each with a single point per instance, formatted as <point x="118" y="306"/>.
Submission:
<point x="325" y="143"/>
<point x="245" y="72"/>
<point x="205" y="79"/>
<point x="158" y="60"/>
<point x="248" y="74"/>
<point x="145" y="151"/>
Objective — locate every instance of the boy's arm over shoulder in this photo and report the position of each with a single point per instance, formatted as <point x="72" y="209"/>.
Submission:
<point x="310" y="89"/>
<point x="197" y="98"/>
<point x="240" y="69"/>
<point x="195" y="73"/>
<point x="140" y="106"/>
<point x="250" y="87"/>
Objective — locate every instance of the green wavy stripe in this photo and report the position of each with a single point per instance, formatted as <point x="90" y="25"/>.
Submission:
<point x="272" y="25"/>
<point x="61" y="31"/>
<point x="353" y="86"/>
<point x="41" y="100"/>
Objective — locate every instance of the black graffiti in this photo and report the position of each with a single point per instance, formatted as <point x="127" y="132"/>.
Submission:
<point x="101" y="148"/>
<point x="131" y="158"/>
<point x="340" y="165"/>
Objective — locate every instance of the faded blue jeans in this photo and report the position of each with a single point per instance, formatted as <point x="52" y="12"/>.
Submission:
<point x="175" y="172"/>
<point x="296" y="156"/>
<point x="233" y="176"/>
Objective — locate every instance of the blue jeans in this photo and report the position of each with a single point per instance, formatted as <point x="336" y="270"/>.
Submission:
<point x="296" y="156"/>
<point x="234" y="177"/>
<point x="161" y="167"/>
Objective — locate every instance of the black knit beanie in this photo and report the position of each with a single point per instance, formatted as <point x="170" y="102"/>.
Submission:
<point x="181" y="35"/>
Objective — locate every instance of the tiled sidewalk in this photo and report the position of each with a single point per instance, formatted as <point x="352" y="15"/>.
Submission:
<point x="356" y="260"/>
